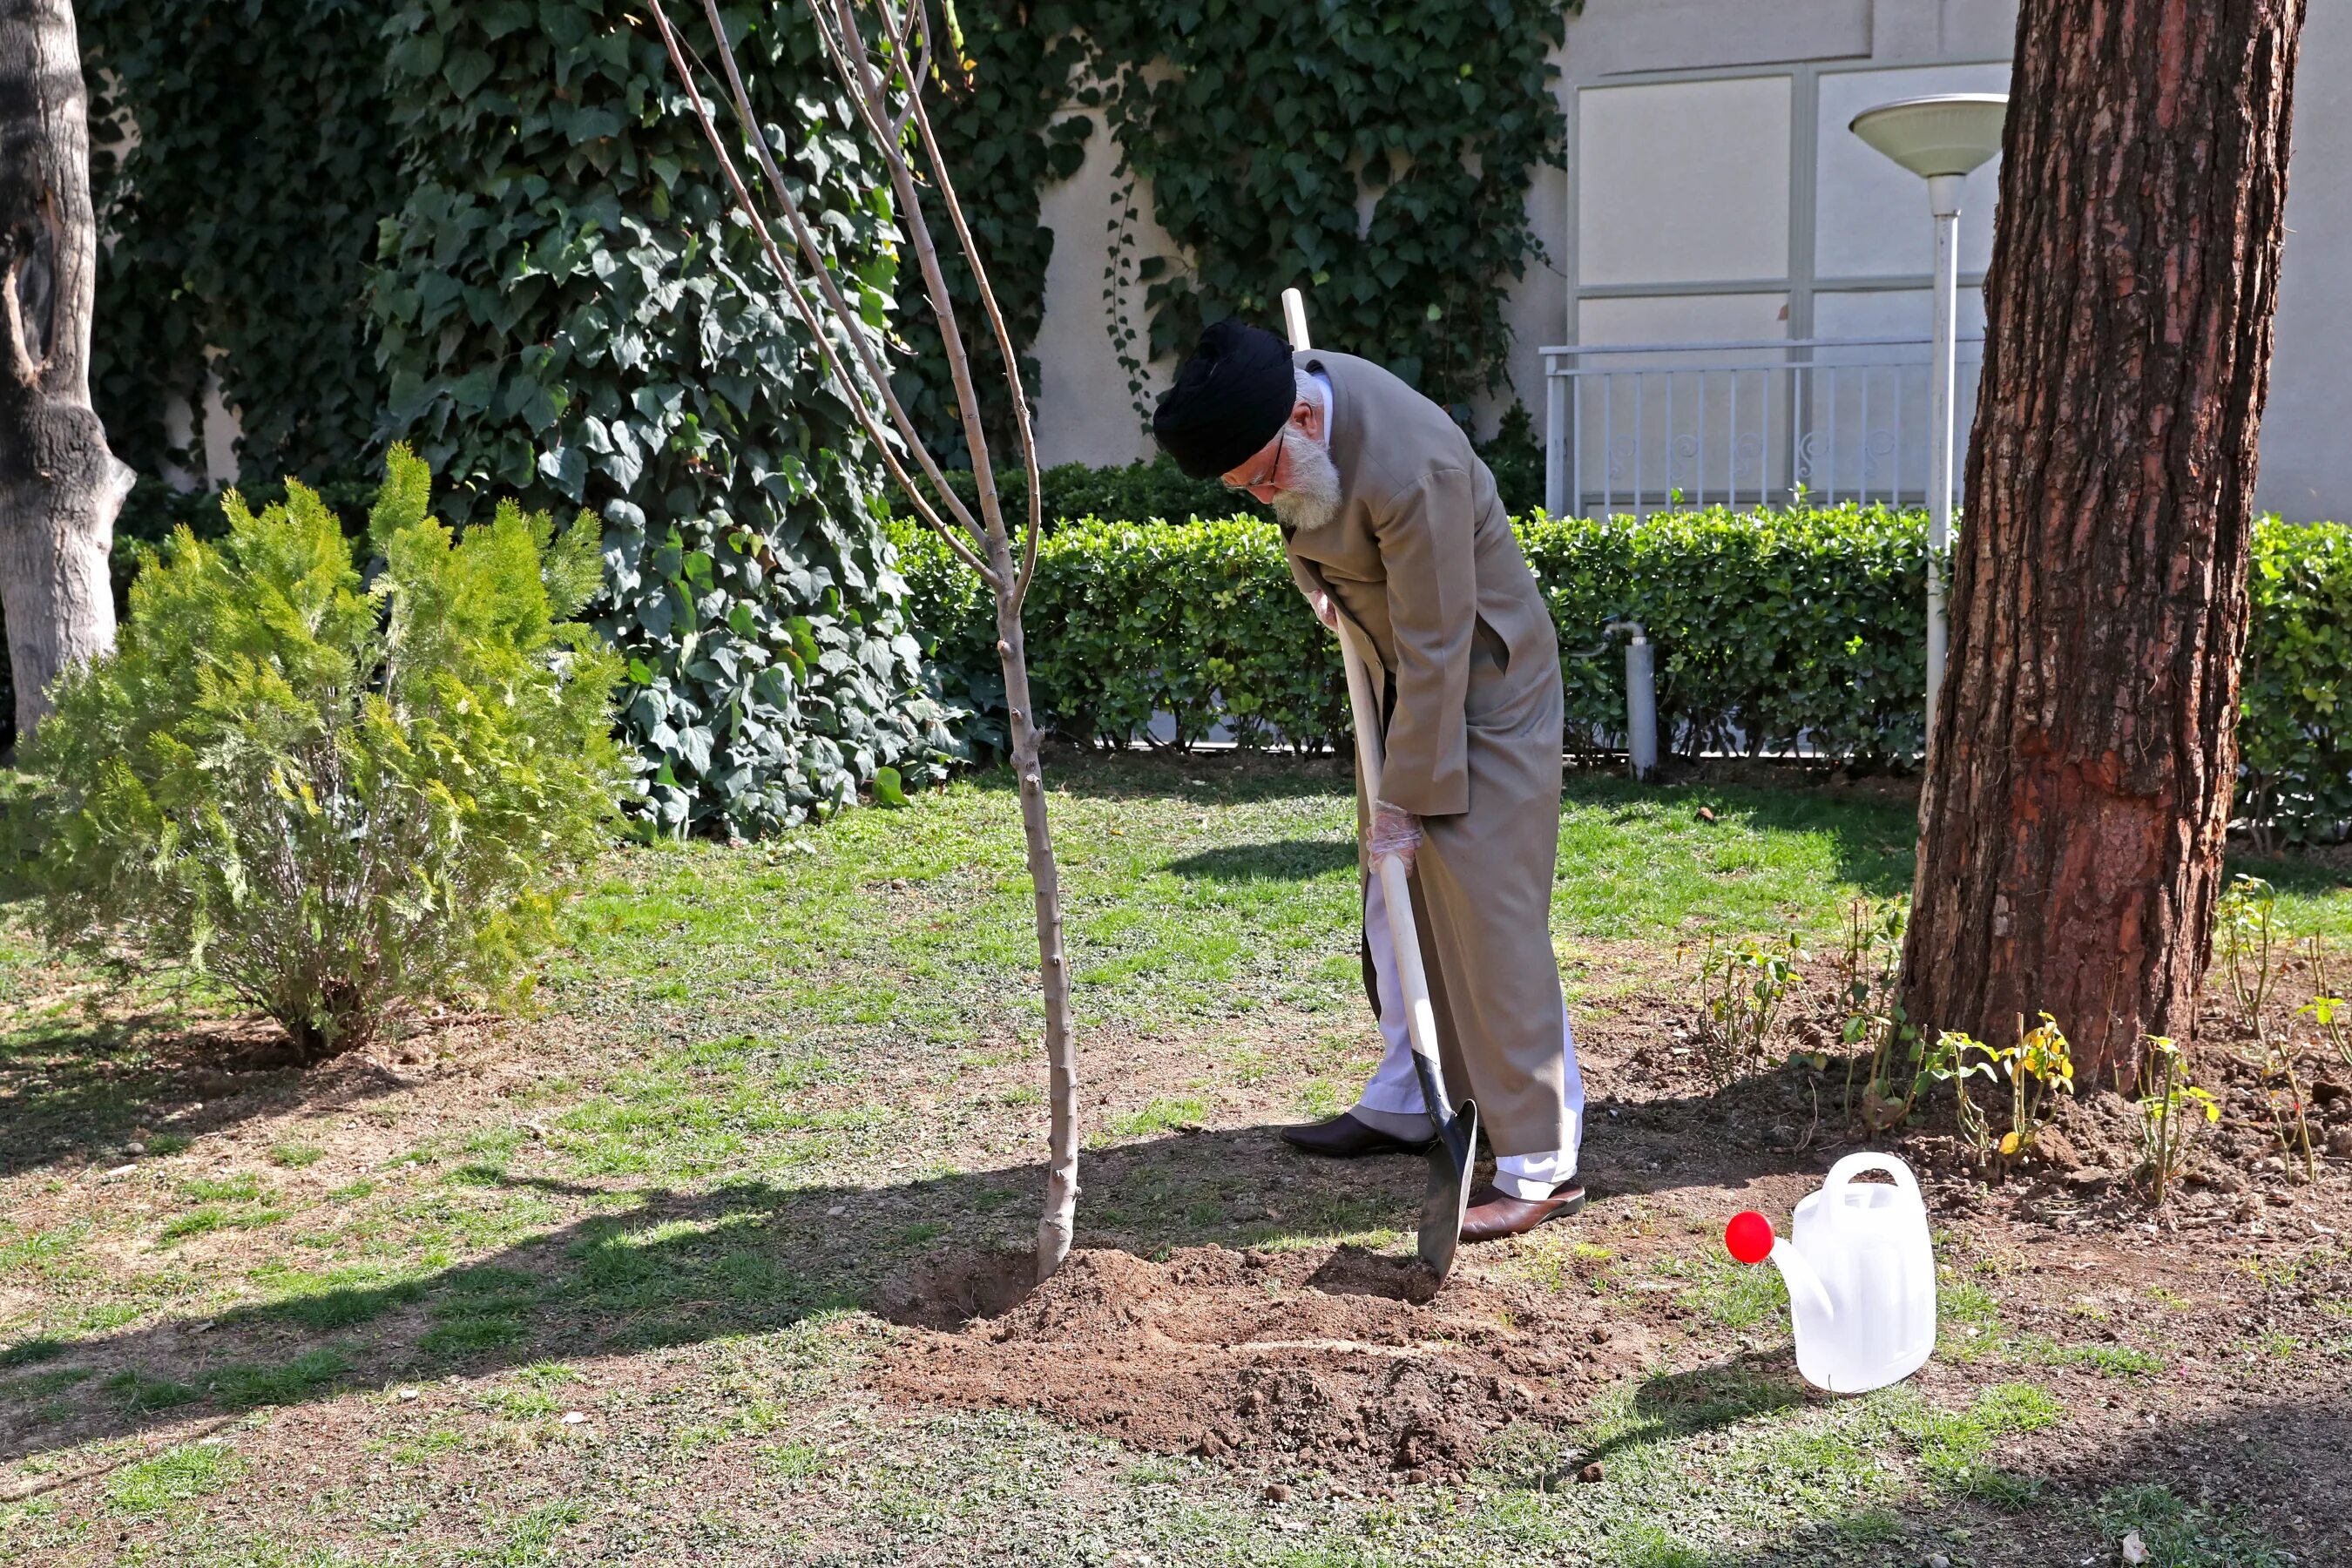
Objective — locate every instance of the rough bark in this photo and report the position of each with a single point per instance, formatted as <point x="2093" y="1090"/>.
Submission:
<point x="2080" y="770"/>
<point x="59" y="485"/>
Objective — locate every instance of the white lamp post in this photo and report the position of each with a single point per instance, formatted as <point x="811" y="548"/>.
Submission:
<point x="1940" y="139"/>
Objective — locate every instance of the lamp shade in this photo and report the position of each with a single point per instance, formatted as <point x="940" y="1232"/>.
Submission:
<point x="1949" y="134"/>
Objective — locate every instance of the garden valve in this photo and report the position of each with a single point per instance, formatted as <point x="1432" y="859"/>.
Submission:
<point x="1641" y="697"/>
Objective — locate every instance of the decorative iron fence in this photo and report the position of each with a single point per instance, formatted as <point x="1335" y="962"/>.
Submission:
<point x="1633" y="428"/>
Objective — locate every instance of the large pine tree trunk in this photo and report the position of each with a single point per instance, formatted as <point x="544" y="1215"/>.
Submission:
<point x="2080" y="770"/>
<point x="59" y="485"/>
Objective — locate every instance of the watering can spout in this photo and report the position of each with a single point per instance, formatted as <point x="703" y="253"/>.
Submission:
<point x="1749" y="1238"/>
<point x="1806" y="1293"/>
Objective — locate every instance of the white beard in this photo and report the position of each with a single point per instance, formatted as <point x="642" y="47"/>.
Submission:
<point x="1309" y="496"/>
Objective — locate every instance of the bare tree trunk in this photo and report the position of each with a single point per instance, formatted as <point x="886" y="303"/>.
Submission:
<point x="2080" y="770"/>
<point x="1056" y="1226"/>
<point x="59" y="486"/>
<point x="885" y="79"/>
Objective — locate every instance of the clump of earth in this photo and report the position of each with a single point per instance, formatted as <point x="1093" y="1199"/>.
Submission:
<point x="1331" y="1358"/>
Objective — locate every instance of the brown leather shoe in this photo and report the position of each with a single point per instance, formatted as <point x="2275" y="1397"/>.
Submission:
<point x="1494" y="1214"/>
<point x="1345" y="1138"/>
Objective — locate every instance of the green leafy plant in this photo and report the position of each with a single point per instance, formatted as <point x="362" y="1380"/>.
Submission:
<point x="2254" y="942"/>
<point x="1409" y="134"/>
<point x="2251" y="935"/>
<point x="1948" y="1061"/>
<point x="241" y="159"/>
<point x="1741" y="988"/>
<point x="2326" y="1009"/>
<point x="2169" y="1112"/>
<point x="339" y="796"/>
<point x="2037" y="1065"/>
<point x="1876" y="1027"/>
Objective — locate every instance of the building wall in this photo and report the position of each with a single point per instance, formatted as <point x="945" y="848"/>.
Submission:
<point x="1732" y="195"/>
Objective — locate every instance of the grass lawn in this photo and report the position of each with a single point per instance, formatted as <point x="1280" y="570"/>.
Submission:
<point x="608" y="1283"/>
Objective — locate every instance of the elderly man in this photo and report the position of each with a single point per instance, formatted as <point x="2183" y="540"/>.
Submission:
<point x="1390" y="520"/>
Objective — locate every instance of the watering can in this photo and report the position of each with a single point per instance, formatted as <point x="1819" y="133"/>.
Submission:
<point x="1861" y="1275"/>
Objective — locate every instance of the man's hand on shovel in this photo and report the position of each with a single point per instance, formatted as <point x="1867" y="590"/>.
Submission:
<point x="1395" y="831"/>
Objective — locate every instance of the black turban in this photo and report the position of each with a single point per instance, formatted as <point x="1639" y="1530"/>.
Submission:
<point x="1230" y="399"/>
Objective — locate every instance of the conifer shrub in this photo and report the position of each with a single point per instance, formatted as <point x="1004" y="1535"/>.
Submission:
<point x="342" y="779"/>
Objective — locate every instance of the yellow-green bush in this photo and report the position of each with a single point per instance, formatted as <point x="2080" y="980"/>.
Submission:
<point x="339" y="796"/>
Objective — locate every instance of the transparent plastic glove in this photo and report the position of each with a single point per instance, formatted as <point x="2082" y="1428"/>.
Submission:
<point x="1395" y="831"/>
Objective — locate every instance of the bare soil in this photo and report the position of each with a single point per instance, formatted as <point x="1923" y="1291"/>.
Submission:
<point x="1329" y="1359"/>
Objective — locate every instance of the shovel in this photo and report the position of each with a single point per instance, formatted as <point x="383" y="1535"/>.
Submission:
<point x="1448" y="1196"/>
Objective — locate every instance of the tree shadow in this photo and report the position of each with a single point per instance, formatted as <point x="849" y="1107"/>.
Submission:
<point x="1282" y="861"/>
<point x="747" y="1257"/>
<point x="89" y="1088"/>
<point x="2257" y="1487"/>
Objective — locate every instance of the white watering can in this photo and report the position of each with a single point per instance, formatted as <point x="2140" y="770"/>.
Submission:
<point x="1861" y="1275"/>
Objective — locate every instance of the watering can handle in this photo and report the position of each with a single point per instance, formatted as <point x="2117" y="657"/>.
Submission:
<point x="1852" y="1165"/>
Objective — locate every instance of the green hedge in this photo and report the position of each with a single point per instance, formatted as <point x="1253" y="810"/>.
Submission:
<point x="2295" y="712"/>
<point x="1770" y="627"/>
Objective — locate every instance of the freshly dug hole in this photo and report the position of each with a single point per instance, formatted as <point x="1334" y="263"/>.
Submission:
<point x="1332" y="1359"/>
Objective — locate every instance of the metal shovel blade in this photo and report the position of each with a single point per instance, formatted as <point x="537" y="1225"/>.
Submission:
<point x="1448" y="1197"/>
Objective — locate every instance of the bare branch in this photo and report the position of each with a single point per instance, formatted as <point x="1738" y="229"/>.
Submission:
<point x="852" y="326"/>
<point x="871" y="99"/>
<point x="1028" y="441"/>
<point x="807" y="314"/>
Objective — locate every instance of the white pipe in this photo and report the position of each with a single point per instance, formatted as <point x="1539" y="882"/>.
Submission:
<point x="1943" y="376"/>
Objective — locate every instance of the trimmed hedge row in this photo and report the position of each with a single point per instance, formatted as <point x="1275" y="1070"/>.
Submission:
<point x="1777" y="632"/>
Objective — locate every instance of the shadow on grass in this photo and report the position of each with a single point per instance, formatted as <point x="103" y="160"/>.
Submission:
<point x="82" y="1089"/>
<point x="1283" y="860"/>
<point x="2256" y="1487"/>
<point x="663" y="1267"/>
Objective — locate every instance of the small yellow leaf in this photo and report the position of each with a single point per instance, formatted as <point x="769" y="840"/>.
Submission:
<point x="2008" y="1143"/>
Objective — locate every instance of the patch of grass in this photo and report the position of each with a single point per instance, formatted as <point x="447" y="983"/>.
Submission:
<point x="338" y="1297"/>
<point x="243" y="1385"/>
<point x="2182" y="1534"/>
<point x="530" y="1538"/>
<point x="1163" y="1115"/>
<point x="175" y="1476"/>
<point x="139" y="1392"/>
<point x="27" y="1353"/>
<point x="296" y="1156"/>
<point x="164" y="1143"/>
<point x="42" y="1385"/>
<point x="2107" y="1360"/>
<point x="1955" y="1446"/>
<point x="242" y="1187"/>
<point x="1735" y="1295"/>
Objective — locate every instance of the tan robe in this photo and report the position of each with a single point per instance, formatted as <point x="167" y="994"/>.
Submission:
<point x="1420" y="557"/>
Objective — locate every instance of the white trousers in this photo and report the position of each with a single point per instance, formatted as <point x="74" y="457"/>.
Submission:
<point x="1392" y="1103"/>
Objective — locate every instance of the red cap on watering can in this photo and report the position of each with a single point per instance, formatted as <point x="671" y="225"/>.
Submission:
<point x="1749" y="1237"/>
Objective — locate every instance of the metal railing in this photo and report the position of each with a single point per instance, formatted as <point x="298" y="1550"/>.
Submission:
<point x="1633" y="428"/>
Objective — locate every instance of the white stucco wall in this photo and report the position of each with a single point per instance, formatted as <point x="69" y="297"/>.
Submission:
<point x="1085" y="412"/>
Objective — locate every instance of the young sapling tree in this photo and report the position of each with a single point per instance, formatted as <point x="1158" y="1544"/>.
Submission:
<point x="2168" y="1113"/>
<point x="881" y="54"/>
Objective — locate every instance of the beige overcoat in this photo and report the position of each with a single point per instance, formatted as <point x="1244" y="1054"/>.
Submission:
<point x="1422" y="558"/>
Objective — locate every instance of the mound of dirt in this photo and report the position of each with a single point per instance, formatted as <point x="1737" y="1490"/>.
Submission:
<point x="1332" y="1360"/>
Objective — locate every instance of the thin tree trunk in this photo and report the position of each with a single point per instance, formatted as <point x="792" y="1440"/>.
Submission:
<point x="1055" y="1226"/>
<point x="2079" y="776"/>
<point x="59" y="486"/>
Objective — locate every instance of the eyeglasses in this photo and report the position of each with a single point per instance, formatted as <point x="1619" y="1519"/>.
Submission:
<point x="1264" y="482"/>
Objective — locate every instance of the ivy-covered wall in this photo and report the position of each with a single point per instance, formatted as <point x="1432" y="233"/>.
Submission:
<point x="567" y="313"/>
<point x="482" y="226"/>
